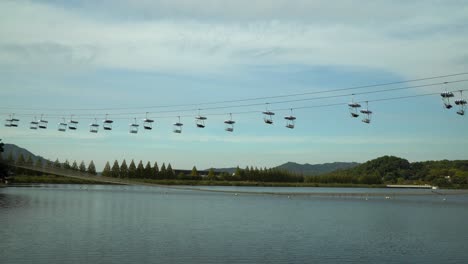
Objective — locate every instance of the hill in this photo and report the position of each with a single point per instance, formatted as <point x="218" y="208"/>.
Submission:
<point x="316" y="169"/>
<point x="16" y="151"/>
<point x="391" y="169"/>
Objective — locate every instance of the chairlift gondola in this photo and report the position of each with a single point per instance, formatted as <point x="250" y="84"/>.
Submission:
<point x="33" y="124"/>
<point x="200" y="120"/>
<point x="94" y="127"/>
<point x="446" y="99"/>
<point x="461" y="103"/>
<point x="178" y="127"/>
<point x="62" y="126"/>
<point x="367" y="114"/>
<point x="43" y="123"/>
<point x="72" y="124"/>
<point x="229" y="124"/>
<point x="134" y="127"/>
<point x="12" y="121"/>
<point x="148" y="123"/>
<point x="353" y="108"/>
<point x="268" y="116"/>
<point x="290" y="120"/>
<point x="107" y="123"/>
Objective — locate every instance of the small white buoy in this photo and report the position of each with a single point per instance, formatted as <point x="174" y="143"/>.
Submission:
<point x="235" y="194"/>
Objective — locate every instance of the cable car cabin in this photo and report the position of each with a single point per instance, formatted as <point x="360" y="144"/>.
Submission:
<point x="43" y="123"/>
<point x="72" y="124"/>
<point x="177" y="128"/>
<point x="268" y="117"/>
<point x="200" y="121"/>
<point x="134" y="127"/>
<point x="290" y="121"/>
<point x="229" y="125"/>
<point x="366" y="120"/>
<point x="107" y="124"/>
<point x="148" y="123"/>
<point x="62" y="126"/>
<point x="33" y="125"/>
<point x="93" y="128"/>
<point x="353" y="109"/>
<point x="8" y="122"/>
<point x="367" y="114"/>
<point x="462" y="105"/>
<point x="446" y="99"/>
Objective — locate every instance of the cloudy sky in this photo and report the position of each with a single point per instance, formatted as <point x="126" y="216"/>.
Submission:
<point x="88" y="58"/>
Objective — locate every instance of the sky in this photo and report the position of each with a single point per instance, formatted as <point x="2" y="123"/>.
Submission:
<point x="124" y="58"/>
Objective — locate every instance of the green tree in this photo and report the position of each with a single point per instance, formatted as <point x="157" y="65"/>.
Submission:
<point x="115" y="171"/>
<point x="91" y="168"/>
<point x="155" y="171"/>
<point x="140" y="171"/>
<point x="82" y="166"/>
<point x="169" y="172"/>
<point x="49" y="164"/>
<point x="124" y="169"/>
<point x="132" y="170"/>
<point x="148" y="171"/>
<point x="29" y="161"/>
<point x="10" y="157"/>
<point x="20" y="160"/>
<point x="194" y="172"/>
<point x="66" y="165"/>
<point x="107" y="170"/>
<point x="162" y="173"/>
<point x="211" y="175"/>
<point x="75" y="166"/>
<point x="57" y="164"/>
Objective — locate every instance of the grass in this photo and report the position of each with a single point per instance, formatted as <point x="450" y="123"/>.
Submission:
<point x="22" y="179"/>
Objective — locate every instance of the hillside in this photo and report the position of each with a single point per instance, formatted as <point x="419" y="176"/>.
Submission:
<point x="16" y="151"/>
<point x="391" y="169"/>
<point x="316" y="169"/>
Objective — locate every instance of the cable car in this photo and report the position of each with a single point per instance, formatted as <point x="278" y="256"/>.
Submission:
<point x="33" y="124"/>
<point x="43" y="123"/>
<point x="72" y="124"/>
<point x="290" y="120"/>
<point x="107" y="124"/>
<point x="12" y="121"/>
<point x="200" y="120"/>
<point x="148" y="123"/>
<point x="268" y="116"/>
<point x="446" y="99"/>
<point x="62" y="126"/>
<point x="94" y="127"/>
<point x="461" y="103"/>
<point x="353" y="108"/>
<point x="367" y="114"/>
<point x="134" y="127"/>
<point x="229" y="124"/>
<point x="178" y="127"/>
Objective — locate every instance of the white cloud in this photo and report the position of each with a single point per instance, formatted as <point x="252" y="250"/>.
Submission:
<point x="377" y="35"/>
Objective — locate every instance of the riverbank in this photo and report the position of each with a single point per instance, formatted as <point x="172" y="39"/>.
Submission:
<point x="50" y="179"/>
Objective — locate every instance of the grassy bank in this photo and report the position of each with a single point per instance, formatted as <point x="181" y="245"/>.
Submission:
<point x="21" y="179"/>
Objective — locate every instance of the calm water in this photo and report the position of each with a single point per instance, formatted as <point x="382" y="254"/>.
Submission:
<point x="122" y="224"/>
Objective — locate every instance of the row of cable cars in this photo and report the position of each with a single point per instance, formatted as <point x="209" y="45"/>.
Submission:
<point x="461" y="103"/>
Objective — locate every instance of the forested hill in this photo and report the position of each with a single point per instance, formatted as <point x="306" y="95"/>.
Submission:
<point x="316" y="169"/>
<point x="15" y="151"/>
<point x="391" y="169"/>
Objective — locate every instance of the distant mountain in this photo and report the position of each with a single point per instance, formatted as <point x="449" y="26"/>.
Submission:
<point x="16" y="151"/>
<point x="228" y="170"/>
<point x="316" y="169"/>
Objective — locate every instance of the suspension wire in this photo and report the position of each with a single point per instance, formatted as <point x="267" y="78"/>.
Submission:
<point x="278" y="109"/>
<point x="245" y="99"/>
<point x="262" y="103"/>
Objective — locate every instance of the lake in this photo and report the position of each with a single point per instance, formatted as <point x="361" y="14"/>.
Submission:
<point x="144" y="224"/>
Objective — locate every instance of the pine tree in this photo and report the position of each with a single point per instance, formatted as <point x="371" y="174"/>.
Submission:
<point x="82" y="166"/>
<point x="91" y="168"/>
<point x="148" y="171"/>
<point x="74" y="166"/>
<point x="107" y="170"/>
<point x="132" y="170"/>
<point x="194" y="172"/>
<point x="20" y="160"/>
<point x="10" y="157"/>
<point x="29" y="161"/>
<point x="124" y="169"/>
<point x="115" y="171"/>
<point x="211" y="175"/>
<point x="140" y="171"/>
<point x="170" y="173"/>
<point x="57" y="164"/>
<point x="49" y="164"/>
<point x="155" y="174"/>
<point x="66" y="165"/>
<point x="162" y="173"/>
<point x="38" y="165"/>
